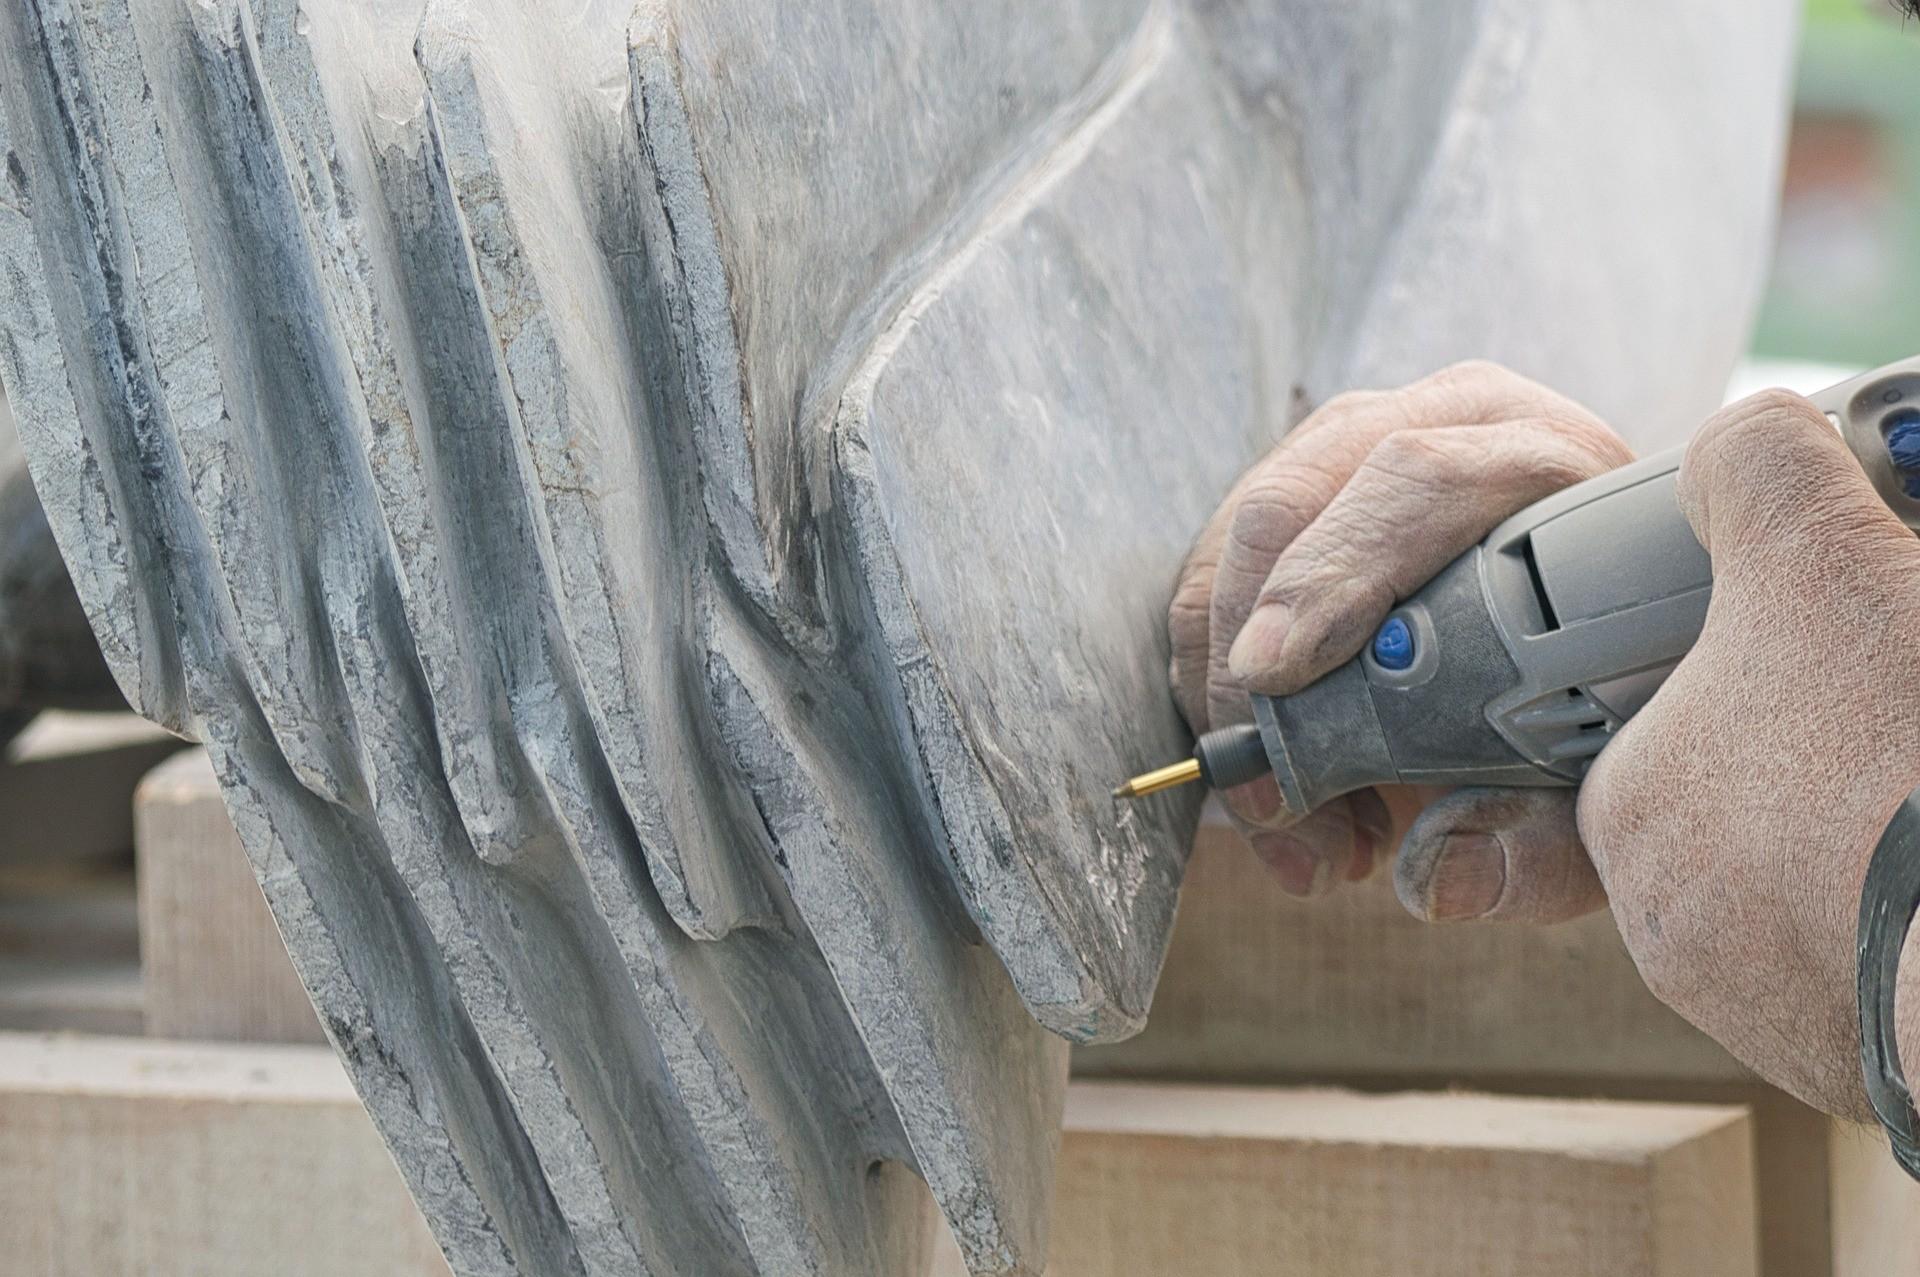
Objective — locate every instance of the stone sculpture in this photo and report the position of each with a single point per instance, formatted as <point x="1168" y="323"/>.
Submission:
<point x="48" y="659"/>
<point x="662" y="511"/>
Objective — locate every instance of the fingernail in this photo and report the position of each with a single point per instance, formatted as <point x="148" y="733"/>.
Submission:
<point x="1366" y="849"/>
<point x="1360" y="868"/>
<point x="1301" y="873"/>
<point x="1370" y="834"/>
<point x="1257" y="802"/>
<point x="1257" y="648"/>
<point x="1468" y="878"/>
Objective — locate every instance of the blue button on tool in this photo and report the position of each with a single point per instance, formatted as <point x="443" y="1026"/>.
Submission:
<point x="1903" y="442"/>
<point x="1393" y="645"/>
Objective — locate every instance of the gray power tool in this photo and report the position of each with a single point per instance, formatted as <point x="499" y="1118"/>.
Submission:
<point x="1518" y="662"/>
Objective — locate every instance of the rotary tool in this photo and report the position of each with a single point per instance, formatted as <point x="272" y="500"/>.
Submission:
<point x="1521" y="659"/>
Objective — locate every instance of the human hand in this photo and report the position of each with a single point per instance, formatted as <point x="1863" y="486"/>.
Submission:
<point x="1351" y="512"/>
<point x="1732" y="819"/>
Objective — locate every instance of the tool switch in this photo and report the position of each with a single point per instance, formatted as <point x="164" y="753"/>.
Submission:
<point x="1393" y="645"/>
<point x="1903" y="447"/>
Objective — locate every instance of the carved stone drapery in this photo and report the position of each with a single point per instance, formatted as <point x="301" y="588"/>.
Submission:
<point x="662" y="512"/>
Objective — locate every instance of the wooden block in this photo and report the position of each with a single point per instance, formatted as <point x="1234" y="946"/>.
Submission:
<point x="1528" y="1007"/>
<point x="1260" y="987"/>
<point x="125" y="1157"/>
<point x="1875" y="1206"/>
<point x="214" y="965"/>
<point x="1157" y="1179"/>
<point x="157" y="1158"/>
<point x="69" y="949"/>
<point x="66" y="785"/>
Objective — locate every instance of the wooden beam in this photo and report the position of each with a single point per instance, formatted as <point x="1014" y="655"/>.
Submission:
<point x="1259" y="987"/>
<point x="66" y="785"/>
<point x="1224" y="1010"/>
<point x="1263" y="988"/>
<point x="212" y="959"/>
<point x="162" y="1158"/>
<point x="1250" y="1182"/>
<point x="1235" y="1183"/>
<point x="1875" y="1207"/>
<point x="126" y="1157"/>
<point x="69" y="949"/>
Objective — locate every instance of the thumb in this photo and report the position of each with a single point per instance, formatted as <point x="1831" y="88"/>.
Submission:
<point x="1507" y="855"/>
<point x="1772" y="469"/>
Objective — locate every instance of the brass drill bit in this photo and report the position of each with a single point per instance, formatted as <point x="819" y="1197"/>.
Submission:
<point x="1165" y="778"/>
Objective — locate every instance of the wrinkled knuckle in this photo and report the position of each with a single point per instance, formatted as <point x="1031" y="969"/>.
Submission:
<point x="1192" y="600"/>
<point x="1757" y="443"/>
<point x="1274" y="508"/>
<point x="1347" y="405"/>
<point x="1312" y="568"/>
<point x="1344" y="413"/>
<point x="1784" y="409"/>
<point x="1552" y="467"/>
<point x="1757" y="425"/>
<point x="1475" y="372"/>
<point x="1536" y="456"/>
<point x="1593" y="438"/>
<point x="1293" y="583"/>
<point x="1204" y="554"/>
<point x="1475" y="388"/>
<point x="1780" y="416"/>
<point x="1420" y="456"/>
<point x="1187" y="628"/>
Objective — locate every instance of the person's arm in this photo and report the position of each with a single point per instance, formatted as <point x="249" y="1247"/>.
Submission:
<point x="1733" y="818"/>
<point x="1731" y="821"/>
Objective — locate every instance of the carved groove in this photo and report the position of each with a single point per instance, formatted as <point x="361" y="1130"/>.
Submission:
<point x="662" y="514"/>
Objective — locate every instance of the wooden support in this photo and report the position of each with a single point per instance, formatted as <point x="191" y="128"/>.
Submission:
<point x="163" y="1158"/>
<point x="127" y="1157"/>
<point x="212" y="959"/>
<point x="1157" y="1180"/>
<point x="1260" y="987"/>
<point x="1263" y="988"/>
<point x="67" y="932"/>
<point x="66" y="786"/>
<point x="1875" y="1210"/>
<point x="1235" y="1183"/>
<point x="68" y="949"/>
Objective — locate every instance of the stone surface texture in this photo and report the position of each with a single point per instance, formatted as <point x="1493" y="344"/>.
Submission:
<point x="662" y="512"/>
<point x="48" y="659"/>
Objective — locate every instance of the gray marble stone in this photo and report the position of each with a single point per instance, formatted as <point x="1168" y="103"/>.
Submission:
<point x="662" y="512"/>
<point x="48" y="659"/>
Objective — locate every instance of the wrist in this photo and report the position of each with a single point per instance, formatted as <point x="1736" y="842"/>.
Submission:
<point x="1889" y="981"/>
<point x="1906" y="1008"/>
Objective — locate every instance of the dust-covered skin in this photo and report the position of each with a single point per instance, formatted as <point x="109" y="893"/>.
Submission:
<point x="1733" y="819"/>
<point x="1730" y="823"/>
<point x="1355" y="509"/>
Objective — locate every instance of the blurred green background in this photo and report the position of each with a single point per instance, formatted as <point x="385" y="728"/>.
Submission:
<point x="1846" y="279"/>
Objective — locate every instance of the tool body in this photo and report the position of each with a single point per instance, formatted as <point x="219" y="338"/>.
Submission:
<point x="1521" y="659"/>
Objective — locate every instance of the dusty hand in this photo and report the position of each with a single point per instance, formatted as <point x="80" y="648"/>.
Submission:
<point x="1355" y="509"/>
<point x="1733" y="818"/>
